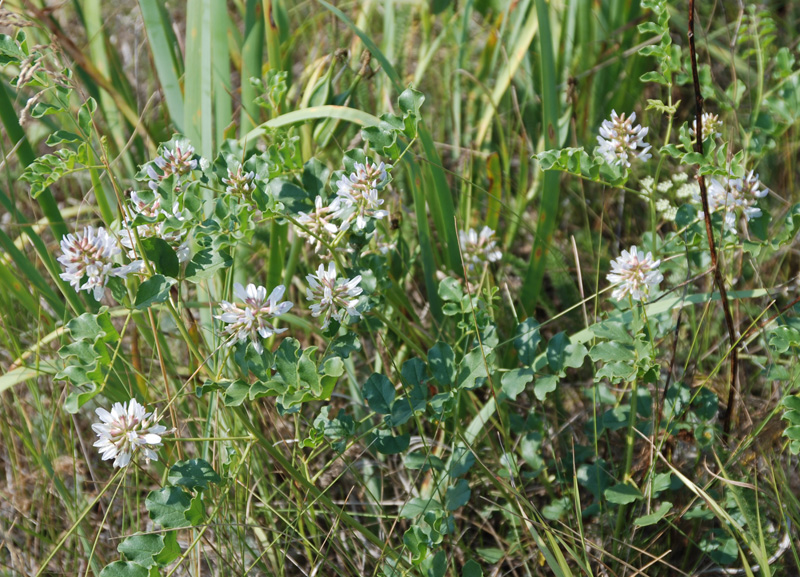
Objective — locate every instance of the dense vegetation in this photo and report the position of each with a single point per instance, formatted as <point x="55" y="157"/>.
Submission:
<point x="432" y="287"/>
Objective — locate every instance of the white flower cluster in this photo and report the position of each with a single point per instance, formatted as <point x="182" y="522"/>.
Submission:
<point x="732" y="194"/>
<point x="712" y="126"/>
<point x="175" y="238"/>
<point x="179" y="161"/>
<point x="479" y="249"/>
<point x="332" y="297"/>
<point x="317" y="225"/>
<point x="635" y="273"/>
<point x="619" y="139"/>
<point x="128" y="428"/>
<point x="91" y="255"/>
<point x="356" y="202"/>
<point x="239" y="182"/>
<point x="253" y="319"/>
<point x="357" y="196"/>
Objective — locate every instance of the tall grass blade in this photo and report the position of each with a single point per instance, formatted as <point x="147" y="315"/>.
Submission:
<point x="252" y="58"/>
<point x="166" y="57"/>
<point x="548" y="207"/>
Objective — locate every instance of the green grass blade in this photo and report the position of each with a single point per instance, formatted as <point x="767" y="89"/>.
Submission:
<point x="221" y="66"/>
<point x="166" y="57"/>
<point x="197" y="83"/>
<point x="252" y="55"/>
<point x="548" y="207"/>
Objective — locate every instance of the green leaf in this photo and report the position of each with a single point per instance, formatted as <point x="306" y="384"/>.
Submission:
<point x="385" y="443"/>
<point x="379" y="393"/>
<point x="561" y="353"/>
<point x="416" y="507"/>
<point x="236" y="393"/>
<point x="420" y="461"/>
<point x="622" y="494"/>
<point x="653" y="517"/>
<point x="460" y="462"/>
<point x="527" y="340"/>
<point x="471" y="569"/>
<point x="513" y="382"/>
<point x="205" y="263"/>
<point x="442" y="362"/>
<point x="472" y="370"/>
<point x="612" y="351"/>
<point x="193" y="474"/>
<point x="168" y="507"/>
<point x="457" y="495"/>
<point x="124" y="569"/>
<point x="152" y="291"/>
<point x="343" y="345"/>
<point x="545" y="385"/>
<point x="450" y="290"/>
<point x="162" y="255"/>
<point x="612" y="331"/>
<point x="142" y="548"/>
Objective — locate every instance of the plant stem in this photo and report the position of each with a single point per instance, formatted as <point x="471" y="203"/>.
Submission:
<point x="718" y="280"/>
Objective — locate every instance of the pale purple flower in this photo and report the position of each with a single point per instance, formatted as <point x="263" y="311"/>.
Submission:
<point x="479" y="248"/>
<point x="712" y="126"/>
<point x="239" y="182"/>
<point x="619" y="139"/>
<point x="178" y="160"/>
<point x="357" y="196"/>
<point x="175" y="238"/>
<point x="332" y="297"/>
<point x="90" y="255"/>
<point x="635" y="273"/>
<point x="128" y="428"/>
<point x="252" y="319"/>
<point x="731" y="194"/>
<point x="317" y="225"/>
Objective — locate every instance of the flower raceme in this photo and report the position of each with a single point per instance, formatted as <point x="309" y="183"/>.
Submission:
<point x="175" y="238"/>
<point x="357" y="195"/>
<point x="635" y="273"/>
<point x="91" y="255"/>
<point x="128" y="428"/>
<point x="734" y="193"/>
<point x="332" y="297"/>
<point x="253" y="319"/>
<point x="178" y="161"/>
<point x="619" y="139"/>
<point x="712" y="126"/>
<point x="479" y="248"/>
